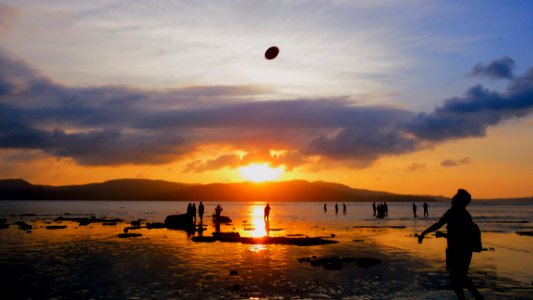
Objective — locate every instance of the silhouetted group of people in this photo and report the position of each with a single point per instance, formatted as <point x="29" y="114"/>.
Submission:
<point x="336" y="208"/>
<point x="425" y="206"/>
<point x="191" y="211"/>
<point x="381" y="210"/>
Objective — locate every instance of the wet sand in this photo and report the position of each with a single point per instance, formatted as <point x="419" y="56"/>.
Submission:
<point x="92" y="262"/>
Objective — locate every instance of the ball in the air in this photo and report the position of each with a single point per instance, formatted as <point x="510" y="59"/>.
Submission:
<point x="272" y="52"/>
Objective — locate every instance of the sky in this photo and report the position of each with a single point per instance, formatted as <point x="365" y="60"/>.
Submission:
<point x="412" y="97"/>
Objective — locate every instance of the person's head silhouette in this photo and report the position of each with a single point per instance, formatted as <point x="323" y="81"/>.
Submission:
<point x="462" y="198"/>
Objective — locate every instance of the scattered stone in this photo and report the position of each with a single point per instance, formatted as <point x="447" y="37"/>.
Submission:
<point x="155" y="225"/>
<point x="379" y="227"/>
<point x="109" y="223"/>
<point x="337" y="263"/>
<point x="51" y="227"/>
<point x="23" y="225"/>
<point x="183" y="221"/>
<point x="233" y="272"/>
<point x="236" y="238"/>
<point x="236" y="287"/>
<point x="221" y="219"/>
<point x="128" y="235"/>
<point x="4" y="226"/>
<point x="3" y="221"/>
<point x="526" y="233"/>
<point x="86" y="221"/>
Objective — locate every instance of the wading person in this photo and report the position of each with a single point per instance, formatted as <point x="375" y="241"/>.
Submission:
<point x="267" y="212"/>
<point x="201" y="211"/>
<point x="463" y="238"/>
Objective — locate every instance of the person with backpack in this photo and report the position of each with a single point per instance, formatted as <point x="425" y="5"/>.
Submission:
<point x="463" y="238"/>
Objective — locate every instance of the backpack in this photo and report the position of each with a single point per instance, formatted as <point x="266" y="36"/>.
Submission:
<point x="474" y="237"/>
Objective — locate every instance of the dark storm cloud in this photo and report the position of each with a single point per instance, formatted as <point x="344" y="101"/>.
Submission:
<point x="500" y="68"/>
<point x="472" y="114"/>
<point x="120" y="125"/>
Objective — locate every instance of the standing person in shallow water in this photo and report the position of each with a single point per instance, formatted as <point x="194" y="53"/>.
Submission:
<point x="267" y="212"/>
<point x="201" y="211"/>
<point x="344" y="208"/>
<point x="414" y="210"/>
<point x="218" y="210"/>
<point x="374" y="207"/>
<point x="426" y="212"/>
<point x="336" y="208"/>
<point x="461" y="243"/>
<point x="193" y="212"/>
<point x="325" y="207"/>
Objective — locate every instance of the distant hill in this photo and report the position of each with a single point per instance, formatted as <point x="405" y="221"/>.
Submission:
<point x="143" y="189"/>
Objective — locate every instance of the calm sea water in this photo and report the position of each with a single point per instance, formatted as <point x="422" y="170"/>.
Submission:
<point x="91" y="262"/>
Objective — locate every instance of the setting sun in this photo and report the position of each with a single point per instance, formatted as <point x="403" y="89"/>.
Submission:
<point x="260" y="172"/>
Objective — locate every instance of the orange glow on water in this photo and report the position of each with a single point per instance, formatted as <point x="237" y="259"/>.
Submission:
<point x="258" y="222"/>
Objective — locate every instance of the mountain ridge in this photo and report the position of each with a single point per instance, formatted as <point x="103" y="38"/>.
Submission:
<point x="148" y="189"/>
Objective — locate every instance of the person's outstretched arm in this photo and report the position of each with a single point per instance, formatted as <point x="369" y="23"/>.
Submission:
<point x="432" y="228"/>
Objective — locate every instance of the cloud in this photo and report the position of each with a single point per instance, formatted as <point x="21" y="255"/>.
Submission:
<point x="455" y="163"/>
<point x="8" y="14"/>
<point x="472" y="114"/>
<point x="114" y="125"/>
<point x="416" y="166"/>
<point x="500" y="68"/>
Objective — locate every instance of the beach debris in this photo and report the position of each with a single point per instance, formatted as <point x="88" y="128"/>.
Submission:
<point x="51" y="227"/>
<point x="358" y="241"/>
<point x="233" y="272"/>
<point x="526" y="233"/>
<point x="136" y="223"/>
<point x="128" y="235"/>
<point x="337" y="263"/>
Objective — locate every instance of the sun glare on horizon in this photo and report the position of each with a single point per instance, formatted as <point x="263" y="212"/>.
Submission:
<point x="260" y="172"/>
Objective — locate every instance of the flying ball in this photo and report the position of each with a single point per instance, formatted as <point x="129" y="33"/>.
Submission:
<point x="272" y="52"/>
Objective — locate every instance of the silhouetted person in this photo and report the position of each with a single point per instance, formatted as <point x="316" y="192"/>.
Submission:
<point x="336" y="208"/>
<point x="201" y="211"/>
<point x="344" y="208"/>
<point x="189" y="208"/>
<point x="426" y="212"/>
<point x="381" y="211"/>
<point x="414" y="210"/>
<point x="385" y="208"/>
<point x="193" y="213"/>
<point x="325" y="207"/>
<point x="218" y="210"/>
<point x="463" y="239"/>
<point x="374" y="207"/>
<point x="267" y="212"/>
